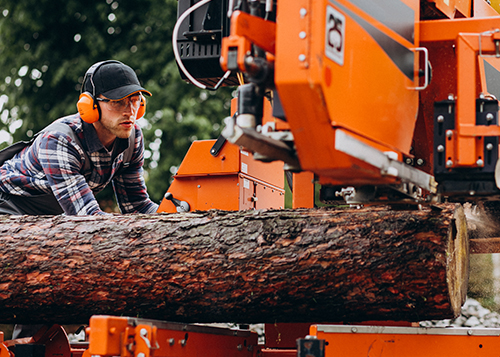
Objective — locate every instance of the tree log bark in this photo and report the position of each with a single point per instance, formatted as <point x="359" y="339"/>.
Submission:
<point x="251" y="266"/>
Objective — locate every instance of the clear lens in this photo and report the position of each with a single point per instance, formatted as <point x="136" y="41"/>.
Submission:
<point x="122" y="104"/>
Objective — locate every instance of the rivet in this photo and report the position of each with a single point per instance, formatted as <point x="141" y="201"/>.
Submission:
<point x="449" y="133"/>
<point x="440" y="118"/>
<point x="489" y="146"/>
<point x="490" y="117"/>
<point x="440" y="148"/>
<point x="302" y="57"/>
<point x="303" y="12"/>
<point x="480" y="162"/>
<point x="449" y="163"/>
<point x="302" y="35"/>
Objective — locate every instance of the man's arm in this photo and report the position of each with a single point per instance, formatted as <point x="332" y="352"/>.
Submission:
<point x="62" y="161"/>
<point x="129" y="185"/>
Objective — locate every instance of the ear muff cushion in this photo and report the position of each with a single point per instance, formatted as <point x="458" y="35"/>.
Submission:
<point x="88" y="111"/>
<point x="142" y="109"/>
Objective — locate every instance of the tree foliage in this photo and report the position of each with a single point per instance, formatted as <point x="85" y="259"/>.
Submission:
<point x="47" y="46"/>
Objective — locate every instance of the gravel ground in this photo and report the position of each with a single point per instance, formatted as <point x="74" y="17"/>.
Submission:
<point x="473" y="315"/>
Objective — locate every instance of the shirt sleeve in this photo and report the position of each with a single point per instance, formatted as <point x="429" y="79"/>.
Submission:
<point x="129" y="184"/>
<point x="62" y="160"/>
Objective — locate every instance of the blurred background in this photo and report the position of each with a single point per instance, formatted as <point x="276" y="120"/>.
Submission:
<point x="47" y="46"/>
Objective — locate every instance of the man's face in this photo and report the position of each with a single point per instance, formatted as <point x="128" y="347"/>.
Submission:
<point x="118" y="116"/>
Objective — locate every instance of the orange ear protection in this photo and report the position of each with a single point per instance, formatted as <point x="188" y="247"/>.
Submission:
<point x="142" y="108"/>
<point x="87" y="106"/>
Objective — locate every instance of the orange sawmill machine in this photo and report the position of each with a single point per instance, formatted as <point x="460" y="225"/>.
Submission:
<point x="390" y="102"/>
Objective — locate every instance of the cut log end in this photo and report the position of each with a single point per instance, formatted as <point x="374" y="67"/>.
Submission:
<point x="457" y="274"/>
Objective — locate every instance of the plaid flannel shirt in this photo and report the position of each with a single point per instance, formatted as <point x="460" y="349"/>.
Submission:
<point x="54" y="163"/>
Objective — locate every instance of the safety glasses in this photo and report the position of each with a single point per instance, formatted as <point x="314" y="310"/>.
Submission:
<point x="122" y="104"/>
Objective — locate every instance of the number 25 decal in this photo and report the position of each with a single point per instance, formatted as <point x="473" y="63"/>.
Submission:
<point x="335" y="35"/>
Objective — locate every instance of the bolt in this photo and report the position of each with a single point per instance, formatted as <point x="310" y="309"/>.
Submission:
<point x="440" y="119"/>
<point x="449" y="163"/>
<point x="302" y="35"/>
<point x="469" y="332"/>
<point x="489" y="146"/>
<point x="490" y="117"/>
<point x="302" y="57"/>
<point x="449" y="133"/>
<point x="440" y="148"/>
<point x="480" y="162"/>
<point x="240" y="347"/>
<point x="451" y="97"/>
<point x="354" y="330"/>
<point x="408" y="161"/>
<point x="420" y="162"/>
<point x="171" y="341"/>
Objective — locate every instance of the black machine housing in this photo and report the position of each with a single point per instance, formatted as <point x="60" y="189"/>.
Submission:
<point x="199" y="41"/>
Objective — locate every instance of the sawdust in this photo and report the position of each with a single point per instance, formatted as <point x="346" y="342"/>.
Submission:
<point x="480" y="223"/>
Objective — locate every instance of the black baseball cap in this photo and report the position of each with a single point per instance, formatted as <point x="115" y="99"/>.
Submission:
<point x="113" y="79"/>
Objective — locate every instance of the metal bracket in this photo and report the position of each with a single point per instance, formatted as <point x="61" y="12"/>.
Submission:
<point x="383" y="161"/>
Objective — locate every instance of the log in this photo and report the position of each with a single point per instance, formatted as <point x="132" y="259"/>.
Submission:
<point x="316" y="265"/>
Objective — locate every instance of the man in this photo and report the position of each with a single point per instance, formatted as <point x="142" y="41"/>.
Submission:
<point x="79" y="155"/>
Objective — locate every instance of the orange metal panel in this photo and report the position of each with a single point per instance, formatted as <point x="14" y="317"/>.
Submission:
<point x="149" y="337"/>
<point x="303" y="190"/>
<point x="270" y="172"/>
<point x="367" y="94"/>
<point x="269" y="197"/>
<point x="105" y="335"/>
<point x="247" y="193"/>
<point x="207" y="182"/>
<point x="380" y="341"/>
<point x="204" y="193"/>
<point x="189" y="344"/>
<point x="198" y="160"/>
<point x="448" y="30"/>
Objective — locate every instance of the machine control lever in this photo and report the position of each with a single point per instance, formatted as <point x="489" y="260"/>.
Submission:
<point x="181" y="206"/>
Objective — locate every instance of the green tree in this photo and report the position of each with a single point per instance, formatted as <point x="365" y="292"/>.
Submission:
<point x="46" y="47"/>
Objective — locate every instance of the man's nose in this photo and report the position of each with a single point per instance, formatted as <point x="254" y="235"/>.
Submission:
<point x="129" y="107"/>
